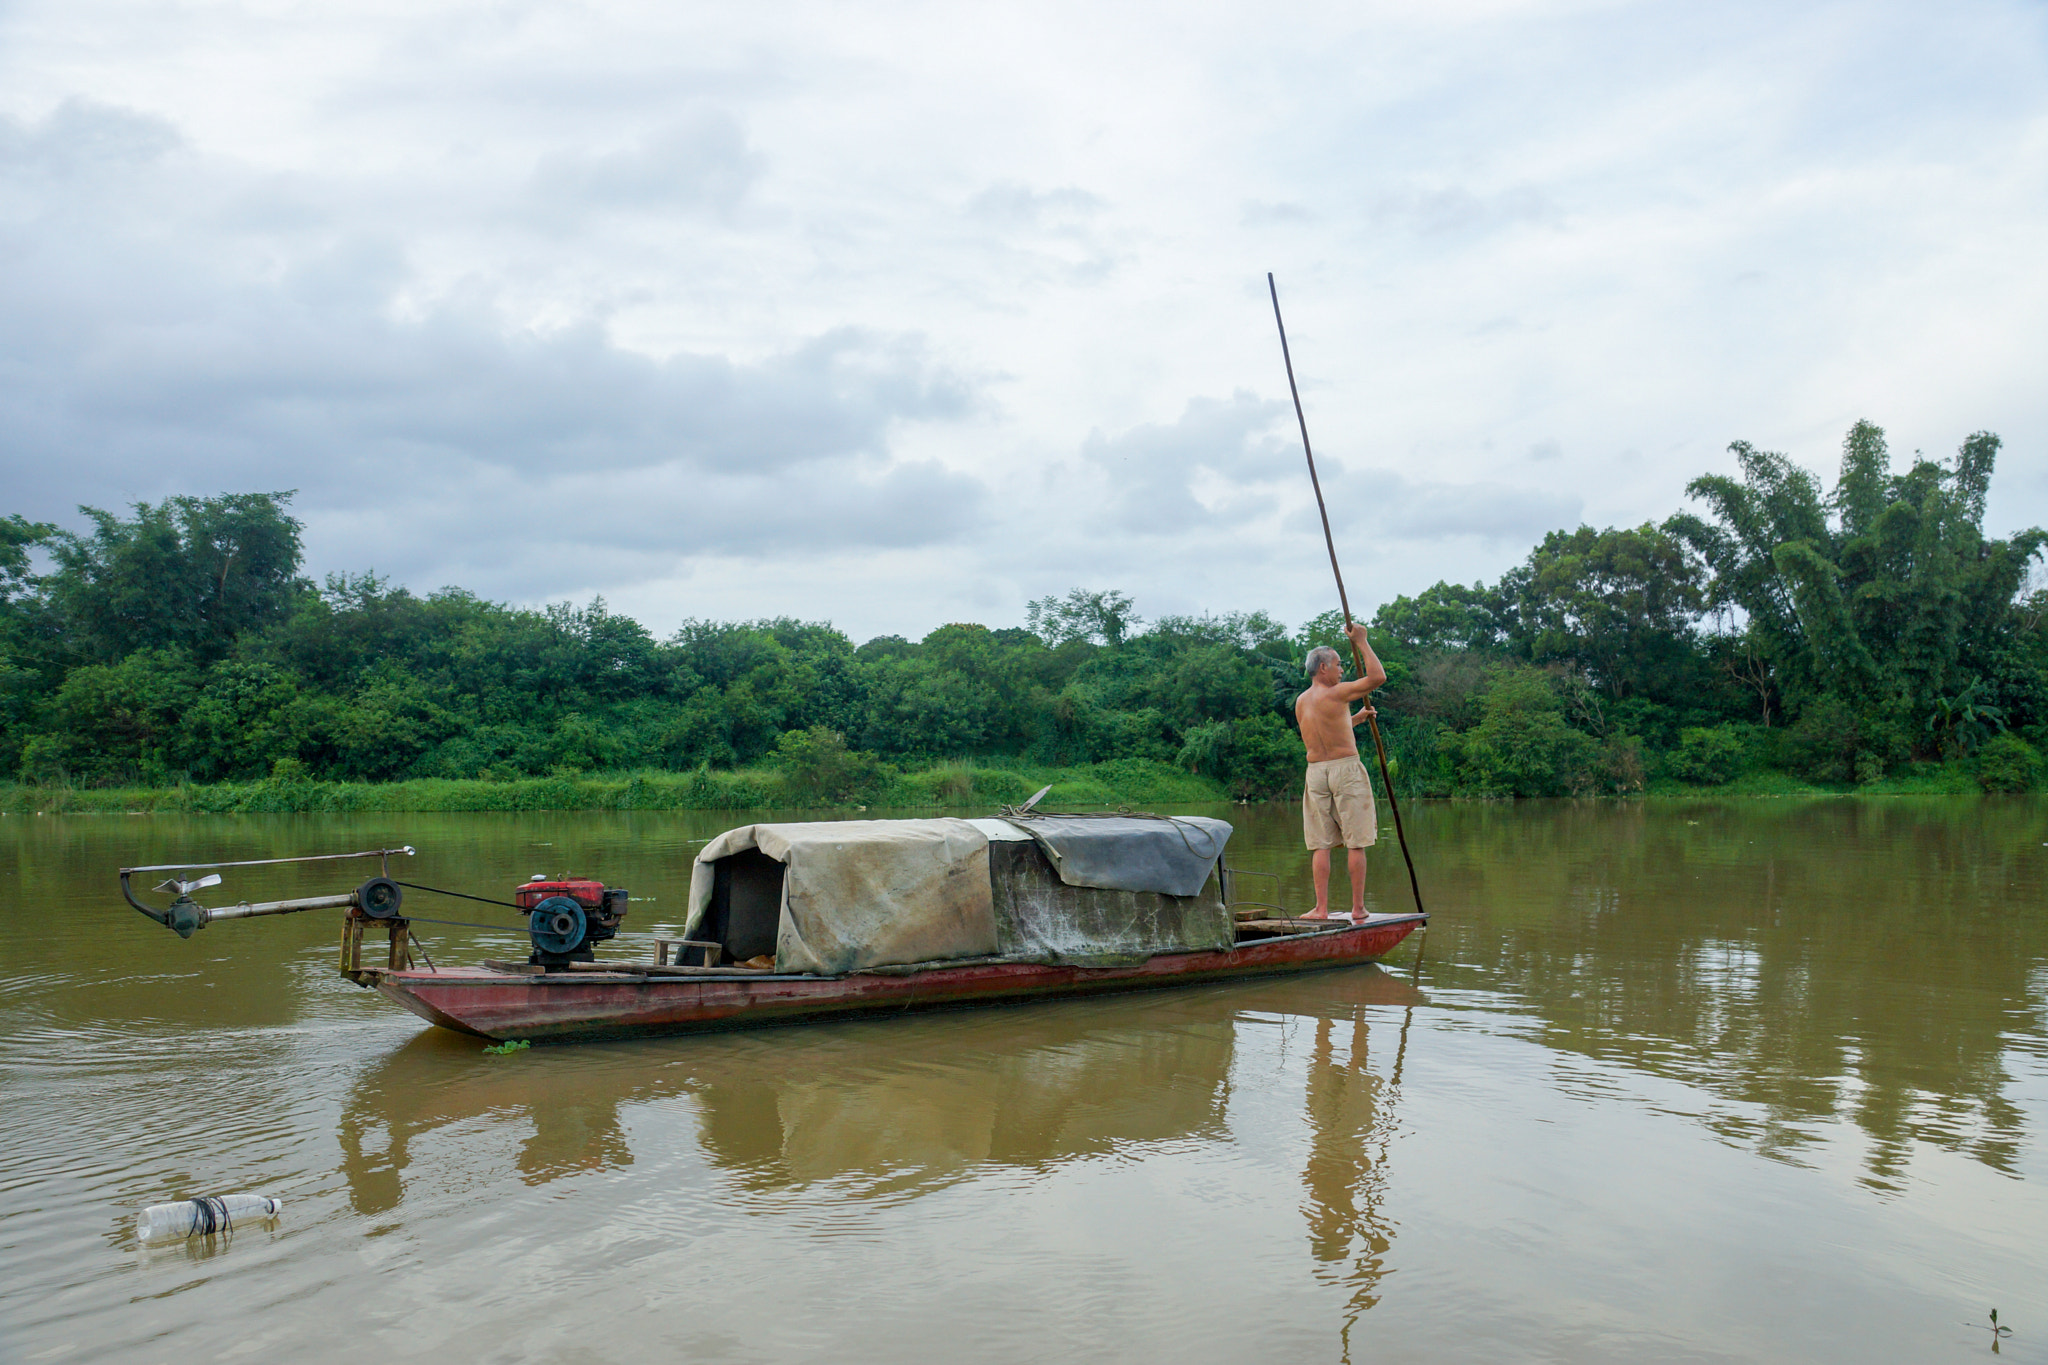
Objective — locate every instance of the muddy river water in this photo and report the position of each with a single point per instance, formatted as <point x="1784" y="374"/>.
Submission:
<point x="1760" y="1080"/>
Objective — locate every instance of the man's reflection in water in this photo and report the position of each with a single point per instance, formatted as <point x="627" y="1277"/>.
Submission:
<point x="1350" y="1124"/>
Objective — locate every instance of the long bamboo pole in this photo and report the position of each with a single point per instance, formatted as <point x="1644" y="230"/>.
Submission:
<point x="1329" y="541"/>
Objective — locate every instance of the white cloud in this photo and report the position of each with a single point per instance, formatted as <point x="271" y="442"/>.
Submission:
<point x="702" y="162"/>
<point x="145" y="350"/>
<point x="1010" y="202"/>
<point x="912" y="313"/>
<point x="1151" y="472"/>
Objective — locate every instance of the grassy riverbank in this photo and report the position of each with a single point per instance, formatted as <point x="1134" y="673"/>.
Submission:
<point x="1134" y="782"/>
<point x="959" y="785"/>
<point x="1917" y="779"/>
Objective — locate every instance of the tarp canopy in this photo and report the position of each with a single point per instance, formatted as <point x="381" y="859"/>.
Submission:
<point x="1173" y="855"/>
<point x="866" y="893"/>
<point x="851" y="895"/>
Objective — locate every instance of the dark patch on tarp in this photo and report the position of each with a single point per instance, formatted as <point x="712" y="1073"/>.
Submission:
<point x="1040" y="918"/>
<point x="1172" y="855"/>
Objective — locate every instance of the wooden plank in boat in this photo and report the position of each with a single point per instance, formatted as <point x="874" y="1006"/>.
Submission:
<point x="651" y="969"/>
<point x="587" y="978"/>
<point x="618" y="968"/>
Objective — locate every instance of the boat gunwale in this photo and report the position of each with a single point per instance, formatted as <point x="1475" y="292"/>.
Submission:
<point x="590" y="1007"/>
<point x="626" y="975"/>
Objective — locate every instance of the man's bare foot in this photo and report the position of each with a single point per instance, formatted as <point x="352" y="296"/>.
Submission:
<point x="1317" y="913"/>
<point x="1358" y="916"/>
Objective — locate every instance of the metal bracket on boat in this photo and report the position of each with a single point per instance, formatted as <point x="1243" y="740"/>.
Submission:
<point x="1247" y="909"/>
<point x="378" y="898"/>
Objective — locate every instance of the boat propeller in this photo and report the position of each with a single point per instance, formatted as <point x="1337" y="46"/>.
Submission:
<point x="187" y="888"/>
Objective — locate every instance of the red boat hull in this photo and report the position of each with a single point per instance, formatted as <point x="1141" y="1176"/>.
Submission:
<point x="562" y="1006"/>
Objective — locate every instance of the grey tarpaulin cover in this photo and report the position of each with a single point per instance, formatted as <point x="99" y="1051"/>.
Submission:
<point x="1131" y="853"/>
<point x="866" y="893"/>
<point x="1040" y="918"/>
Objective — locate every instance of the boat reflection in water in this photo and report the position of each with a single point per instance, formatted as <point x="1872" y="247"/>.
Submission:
<point x="899" y="1107"/>
<point x="935" y="1112"/>
<point x="893" y="1110"/>
<point x="436" y="1083"/>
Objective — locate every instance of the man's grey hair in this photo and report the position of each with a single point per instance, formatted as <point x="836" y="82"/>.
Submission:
<point x="1320" y="655"/>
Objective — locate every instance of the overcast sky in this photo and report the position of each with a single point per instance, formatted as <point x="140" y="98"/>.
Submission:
<point x="900" y="314"/>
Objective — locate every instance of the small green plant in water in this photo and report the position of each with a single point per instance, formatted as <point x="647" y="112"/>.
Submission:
<point x="1997" y="1331"/>
<point x="507" y="1048"/>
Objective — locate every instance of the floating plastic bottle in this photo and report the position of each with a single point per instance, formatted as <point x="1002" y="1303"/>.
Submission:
<point x="219" y="1213"/>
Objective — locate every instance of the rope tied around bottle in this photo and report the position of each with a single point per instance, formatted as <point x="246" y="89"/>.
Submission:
<point x="210" y="1215"/>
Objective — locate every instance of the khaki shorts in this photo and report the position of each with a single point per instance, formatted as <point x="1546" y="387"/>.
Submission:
<point x="1337" y="806"/>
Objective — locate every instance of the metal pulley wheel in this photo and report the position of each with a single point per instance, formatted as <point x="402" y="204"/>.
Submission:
<point x="379" y="898"/>
<point x="556" y="925"/>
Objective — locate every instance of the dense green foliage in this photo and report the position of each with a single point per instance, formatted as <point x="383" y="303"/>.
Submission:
<point x="1840" y="638"/>
<point x="1846" y="637"/>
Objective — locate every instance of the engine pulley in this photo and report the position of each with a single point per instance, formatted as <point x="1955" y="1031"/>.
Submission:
<point x="556" y="925"/>
<point x="379" y="898"/>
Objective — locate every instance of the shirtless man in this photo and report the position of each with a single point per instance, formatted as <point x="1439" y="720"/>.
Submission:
<point x="1337" y="805"/>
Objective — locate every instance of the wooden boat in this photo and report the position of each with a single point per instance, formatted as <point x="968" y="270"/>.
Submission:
<point x="815" y="920"/>
<point x="505" y="1001"/>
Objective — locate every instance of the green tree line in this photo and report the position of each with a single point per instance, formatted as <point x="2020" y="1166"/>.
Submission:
<point x="1841" y="637"/>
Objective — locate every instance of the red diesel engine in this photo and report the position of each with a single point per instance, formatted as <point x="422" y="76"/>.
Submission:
<point x="564" y="918"/>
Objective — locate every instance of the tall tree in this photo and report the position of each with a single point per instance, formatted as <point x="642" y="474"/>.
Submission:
<point x="1774" y="503"/>
<point x="31" y="665"/>
<point x="1444" y="616"/>
<point x="1622" y="603"/>
<point x="189" y="572"/>
<point x="1900" y="606"/>
<point x="1105" y="617"/>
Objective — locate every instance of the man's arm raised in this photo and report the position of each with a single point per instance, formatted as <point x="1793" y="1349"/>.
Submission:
<point x="1375" y="673"/>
